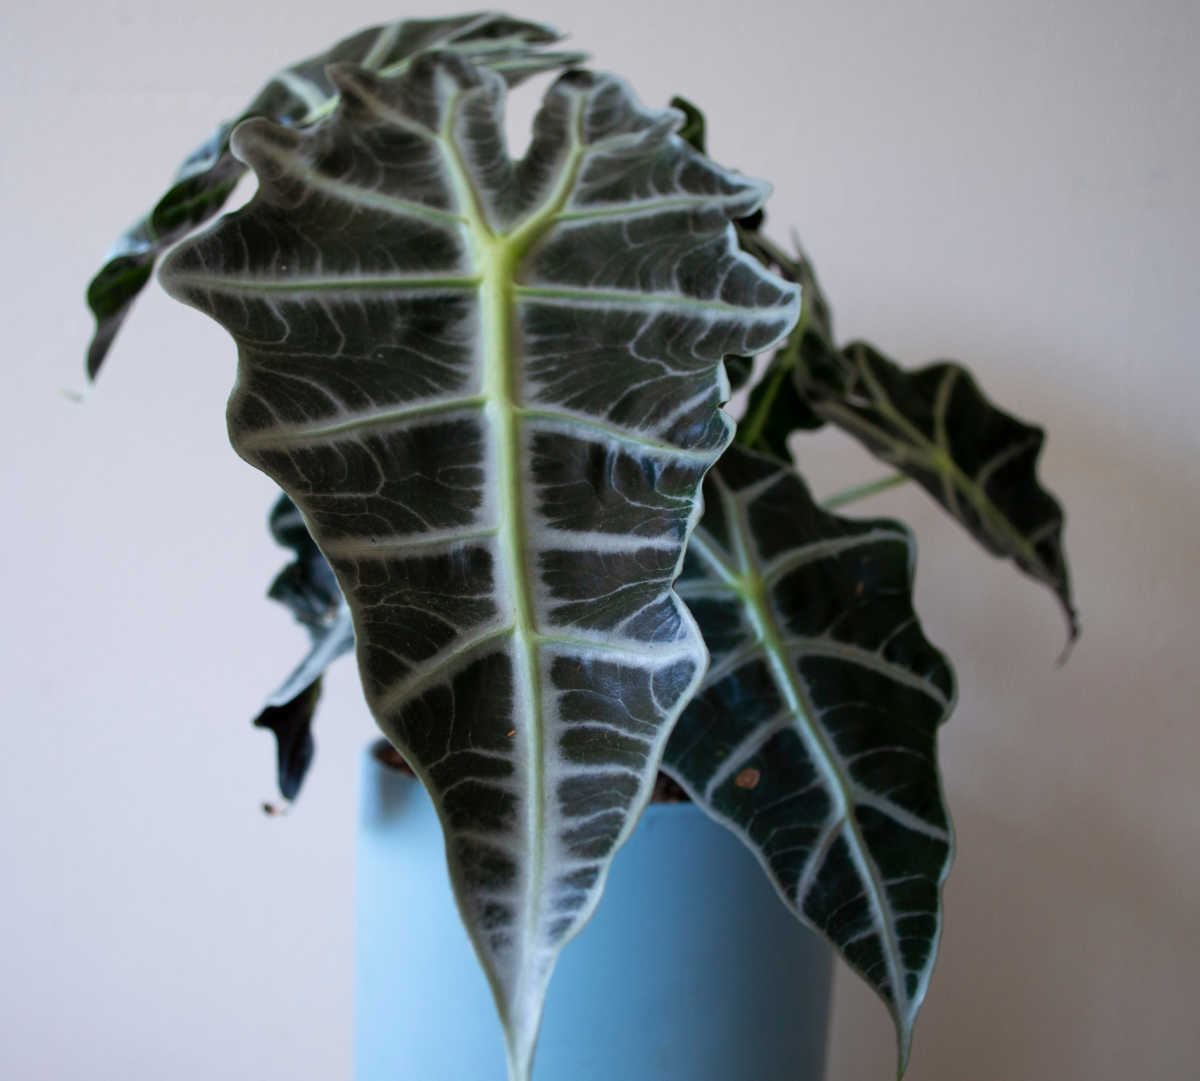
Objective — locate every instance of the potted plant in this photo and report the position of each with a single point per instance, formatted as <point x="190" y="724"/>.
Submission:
<point x="491" y="391"/>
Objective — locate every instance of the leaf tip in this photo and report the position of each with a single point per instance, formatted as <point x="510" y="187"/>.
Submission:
<point x="904" y="1034"/>
<point x="106" y="331"/>
<point x="1073" y="632"/>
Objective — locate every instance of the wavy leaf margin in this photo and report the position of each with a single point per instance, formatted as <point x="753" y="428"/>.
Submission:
<point x="493" y="389"/>
<point x="300" y="95"/>
<point x="813" y="734"/>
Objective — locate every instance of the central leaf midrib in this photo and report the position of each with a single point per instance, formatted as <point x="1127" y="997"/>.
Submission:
<point x="499" y="391"/>
<point x="750" y="586"/>
<point x="496" y="256"/>
<point x="939" y="461"/>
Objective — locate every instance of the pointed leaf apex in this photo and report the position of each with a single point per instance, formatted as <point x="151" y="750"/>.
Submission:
<point x="1073" y="628"/>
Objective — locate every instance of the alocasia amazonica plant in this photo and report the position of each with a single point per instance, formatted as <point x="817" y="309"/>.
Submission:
<point x="491" y="391"/>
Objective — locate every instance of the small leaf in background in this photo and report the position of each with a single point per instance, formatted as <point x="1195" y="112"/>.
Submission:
<point x="692" y="131"/>
<point x="291" y="724"/>
<point x="813" y="736"/>
<point x="493" y="387"/>
<point x="307" y="585"/>
<point x="933" y="424"/>
<point x="779" y="404"/>
<point x="308" y="588"/>
<point x="298" y="96"/>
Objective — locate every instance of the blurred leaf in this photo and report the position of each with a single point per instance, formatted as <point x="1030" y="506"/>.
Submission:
<point x="692" y="131"/>
<point x="933" y="424"/>
<point x="298" y="96"/>
<point x="308" y="588"/>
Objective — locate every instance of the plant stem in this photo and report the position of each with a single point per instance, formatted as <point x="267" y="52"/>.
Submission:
<point x="862" y="491"/>
<point x="752" y="425"/>
<point x="776" y="254"/>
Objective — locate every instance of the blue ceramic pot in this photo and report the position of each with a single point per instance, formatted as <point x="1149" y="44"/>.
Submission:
<point x="690" y="970"/>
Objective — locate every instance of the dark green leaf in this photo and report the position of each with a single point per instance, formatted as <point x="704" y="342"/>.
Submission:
<point x="298" y="96"/>
<point x="306" y="585"/>
<point x="813" y="735"/>
<point x="933" y="424"/>
<point x="291" y="724"/>
<point x="692" y="131"/>
<point x="779" y="403"/>
<point x="494" y="388"/>
<point x="308" y="588"/>
<point x="739" y="369"/>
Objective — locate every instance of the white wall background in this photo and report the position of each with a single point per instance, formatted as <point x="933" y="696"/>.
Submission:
<point x="1015" y="184"/>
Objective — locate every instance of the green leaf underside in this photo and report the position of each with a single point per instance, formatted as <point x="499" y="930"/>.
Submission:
<point x="933" y="424"/>
<point x="307" y="587"/>
<point x="813" y="734"/>
<point x="298" y="96"/>
<point x="493" y="390"/>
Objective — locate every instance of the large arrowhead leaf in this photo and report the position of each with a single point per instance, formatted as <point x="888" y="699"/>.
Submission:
<point x="298" y="96"/>
<point x="493" y="388"/>
<point x="813" y="734"/>
<point x="308" y="588"/>
<point x="933" y="424"/>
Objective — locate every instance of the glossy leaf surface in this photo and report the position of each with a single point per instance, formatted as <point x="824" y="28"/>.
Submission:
<point x="813" y="735"/>
<point x="298" y="96"/>
<point x="493" y="389"/>
<point x="933" y="424"/>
